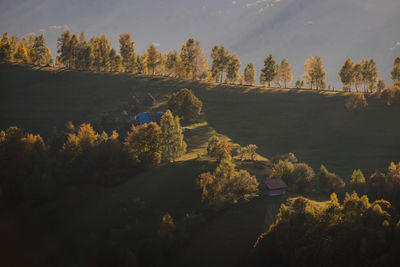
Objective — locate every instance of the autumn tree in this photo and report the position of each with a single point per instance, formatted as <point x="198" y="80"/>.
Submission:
<point x="285" y="73"/>
<point x="127" y="51"/>
<point x="101" y="53"/>
<point x="63" y="48"/>
<point x="202" y="68"/>
<point x="329" y="182"/>
<point x="144" y="144"/>
<point x="358" y="75"/>
<point x="173" y="144"/>
<point x="185" y="105"/>
<point x="318" y="74"/>
<point x="174" y="64"/>
<point x="219" y="149"/>
<point x="227" y="185"/>
<point x="188" y="56"/>
<point x="5" y="48"/>
<point x="22" y="156"/>
<point x="269" y="71"/>
<point x="370" y="75"/>
<point x="153" y="58"/>
<point x="21" y="54"/>
<point x="347" y="74"/>
<point x="357" y="181"/>
<point x="299" y="83"/>
<point x="250" y="74"/>
<point x="233" y="67"/>
<point x="248" y="152"/>
<point x="221" y="57"/>
<point x="381" y="85"/>
<point x="115" y="61"/>
<point x="395" y="74"/>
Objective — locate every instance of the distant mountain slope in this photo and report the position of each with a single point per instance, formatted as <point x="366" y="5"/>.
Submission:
<point x="293" y="29"/>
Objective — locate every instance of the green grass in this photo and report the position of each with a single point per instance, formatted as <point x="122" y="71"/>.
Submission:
<point x="313" y="125"/>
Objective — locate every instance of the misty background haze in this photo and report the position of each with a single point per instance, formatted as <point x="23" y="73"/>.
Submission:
<point x="292" y="29"/>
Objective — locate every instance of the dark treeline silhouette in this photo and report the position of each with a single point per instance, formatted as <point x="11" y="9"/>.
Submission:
<point x="75" y="52"/>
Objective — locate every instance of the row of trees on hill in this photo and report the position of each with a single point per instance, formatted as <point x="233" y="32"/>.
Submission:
<point x="77" y="53"/>
<point x="365" y="74"/>
<point x="31" y="51"/>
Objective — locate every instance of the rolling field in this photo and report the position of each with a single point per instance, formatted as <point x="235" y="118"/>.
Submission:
<point x="315" y="126"/>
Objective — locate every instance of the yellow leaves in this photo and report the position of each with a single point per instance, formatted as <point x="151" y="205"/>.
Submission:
<point x="394" y="170"/>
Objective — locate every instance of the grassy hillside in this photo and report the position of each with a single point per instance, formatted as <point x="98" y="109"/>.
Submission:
<point x="315" y="126"/>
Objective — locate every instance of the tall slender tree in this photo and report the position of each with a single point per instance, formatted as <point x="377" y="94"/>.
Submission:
<point x="269" y="71"/>
<point x="347" y="74"/>
<point x="127" y="51"/>
<point x="22" y="53"/>
<point x="173" y="144"/>
<point x="395" y="74"/>
<point x="5" y="48"/>
<point x="63" y="48"/>
<point x="285" y="72"/>
<point x="318" y="73"/>
<point x="308" y="67"/>
<point x="220" y="56"/>
<point x="234" y="65"/>
<point x="250" y="74"/>
<point x="153" y="58"/>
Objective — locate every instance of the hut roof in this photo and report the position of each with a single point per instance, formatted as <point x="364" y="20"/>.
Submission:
<point x="275" y="184"/>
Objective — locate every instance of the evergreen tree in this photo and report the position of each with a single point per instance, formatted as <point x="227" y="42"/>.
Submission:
<point x="395" y="74"/>
<point x="22" y="53"/>
<point x="127" y="51"/>
<point x="40" y="53"/>
<point x="347" y="74"/>
<point x="250" y="74"/>
<point x="14" y="46"/>
<point x="172" y="63"/>
<point x="153" y="58"/>
<point x="188" y="56"/>
<point x="115" y="61"/>
<point x="269" y="71"/>
<point x="173" y="144"/>
<point x="5" y="48"/>
<point x="141" y="63"/>
<point x="63" y="48"/>
<point x="101" y="53"/>
<point x="285" y="73"/>
<point x="233" y="67"/>
<point x="74" y="51"/>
